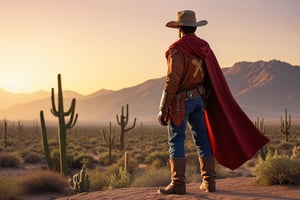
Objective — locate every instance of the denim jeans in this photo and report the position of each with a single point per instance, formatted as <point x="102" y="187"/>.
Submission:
<point x="195" y="118"/>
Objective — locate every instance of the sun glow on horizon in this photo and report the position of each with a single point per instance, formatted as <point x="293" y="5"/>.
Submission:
<point x="118" y="44"/>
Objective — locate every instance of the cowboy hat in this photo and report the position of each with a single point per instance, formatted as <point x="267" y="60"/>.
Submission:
<point x="185" y="18"/>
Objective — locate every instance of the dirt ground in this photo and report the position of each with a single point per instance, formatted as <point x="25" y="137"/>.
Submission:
<point x="243" y="187"/>
<point x="227" y="189"/>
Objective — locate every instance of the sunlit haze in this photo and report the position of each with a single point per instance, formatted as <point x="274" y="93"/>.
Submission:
<point x="113" y="44"/>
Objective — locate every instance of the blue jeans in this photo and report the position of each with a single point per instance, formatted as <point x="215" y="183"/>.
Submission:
<point x="176" y="134"/>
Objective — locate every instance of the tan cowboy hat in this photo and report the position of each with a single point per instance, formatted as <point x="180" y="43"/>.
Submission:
<point x="185" y="18"/>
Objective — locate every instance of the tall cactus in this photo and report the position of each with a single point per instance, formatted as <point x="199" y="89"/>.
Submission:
<point x="5" y="132"/>
<point x="126" y="161"/>
<point x="45" y="141"/>
<point x="286" y="125"/>
<point x="58" y="111"/>
<point x="259" y="123"/>
<point x="123" y="121"/>
<point x="110" y="142"/>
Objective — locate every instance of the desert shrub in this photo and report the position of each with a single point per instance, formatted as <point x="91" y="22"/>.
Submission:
<point x="98" y="179"/>
<point x="119" y="180"/>
<point x="9" y="188"/>
<point x="285" y="146"/>
<point x="9" y="160"/>
<point x="103" y="159"/>
<point x="32" y="157"/>
<point x="277" y="170"/>
<point x="153" y="178"/>
<point x="163" y="156"/>
<point x="132" y="164"/>
<point x="139" y="156"/>
<point x="158" y="163"/>
<point x="77" y="161"/>
<point x="41" y="181"/>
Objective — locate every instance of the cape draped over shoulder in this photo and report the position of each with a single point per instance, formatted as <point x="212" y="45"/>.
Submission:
<point x="234" y="138"/>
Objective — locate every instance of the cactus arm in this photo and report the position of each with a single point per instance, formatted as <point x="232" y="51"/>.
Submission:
<point x="53" y="109"/>
<point x="71" y="112"/>
<point x="133" y="125"/>
<point x="72" y="108"/>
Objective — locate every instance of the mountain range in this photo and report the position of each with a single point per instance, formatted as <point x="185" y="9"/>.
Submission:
<point x="262" y="88"/>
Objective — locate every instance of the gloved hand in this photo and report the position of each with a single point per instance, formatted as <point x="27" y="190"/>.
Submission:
<point x="162" y="118"/>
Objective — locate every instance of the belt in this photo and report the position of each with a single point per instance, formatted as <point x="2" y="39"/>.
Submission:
<point x="190" y="94"/>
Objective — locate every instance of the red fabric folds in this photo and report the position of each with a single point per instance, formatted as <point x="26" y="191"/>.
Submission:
<point x="234" y="138"/>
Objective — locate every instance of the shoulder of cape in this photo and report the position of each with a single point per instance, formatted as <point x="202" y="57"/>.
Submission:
<point x="173" y="52"/>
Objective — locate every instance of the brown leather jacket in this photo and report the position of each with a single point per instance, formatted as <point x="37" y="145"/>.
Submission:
<point x="183" y="73"/>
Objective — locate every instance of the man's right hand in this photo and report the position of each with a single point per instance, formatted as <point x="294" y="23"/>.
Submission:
<point x="162" y="118"/>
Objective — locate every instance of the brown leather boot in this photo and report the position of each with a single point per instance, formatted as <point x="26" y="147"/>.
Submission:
<point x="177" y="185"/>
<point x="208" y="173"/>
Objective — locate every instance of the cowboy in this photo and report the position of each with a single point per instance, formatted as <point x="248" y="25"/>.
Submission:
<point x="196" y="93"/>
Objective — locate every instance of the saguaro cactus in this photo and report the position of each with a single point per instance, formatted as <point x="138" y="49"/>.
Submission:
<point x="5" y="131"/>
<point x="126" y="161"/>
<point x="259" y="123"/>
<point x="45" y="141"/>
<point x="286" y="125"/>
<point x="123" y="121"/>
<point x="110" y="141"/>
<point x="58" y="111"/>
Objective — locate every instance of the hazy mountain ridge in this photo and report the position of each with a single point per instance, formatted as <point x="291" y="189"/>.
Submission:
<point x="261" y="88"/>
<point x="268" y="87"/>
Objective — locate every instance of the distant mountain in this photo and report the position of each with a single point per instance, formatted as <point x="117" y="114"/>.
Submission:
<point x="265" y="88"/>
<point x="8" y="99"/>
<point x="261" y="88"/>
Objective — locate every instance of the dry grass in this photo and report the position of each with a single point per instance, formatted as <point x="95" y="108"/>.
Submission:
<point x="40" y="181"/>
<point x="278" y="169"/>
<point x="9" y="188"/>
<point x="9" y="160"/>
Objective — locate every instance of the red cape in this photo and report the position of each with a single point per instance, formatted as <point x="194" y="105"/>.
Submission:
<point x="234" y="138"/>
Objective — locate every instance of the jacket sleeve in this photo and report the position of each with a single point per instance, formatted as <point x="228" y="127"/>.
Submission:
<point x="175" y="71"/>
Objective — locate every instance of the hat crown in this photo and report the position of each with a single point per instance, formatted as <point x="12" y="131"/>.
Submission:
<point x="186" y="17"/>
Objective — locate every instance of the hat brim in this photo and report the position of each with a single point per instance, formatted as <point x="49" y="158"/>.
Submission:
<point x="175" y="24"/>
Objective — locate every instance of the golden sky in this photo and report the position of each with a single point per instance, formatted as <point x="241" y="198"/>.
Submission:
<point x="114" y="44"/>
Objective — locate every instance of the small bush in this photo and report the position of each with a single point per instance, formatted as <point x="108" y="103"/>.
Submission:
<point x="41" y="181"/>
<point x="9" y="188"/>
<point x="158" y="163"/>
<point x="153" y="178"/>
<point x="277" y="170"/>
<point x="104" y="159"/>
<point x="32" y="157"/>
<point x="9" y="160"/>
<point x="163" y="156"/>
<point x="132" y="164"/>
<point x="98" y="179"/>
<point x="119" y="180"/>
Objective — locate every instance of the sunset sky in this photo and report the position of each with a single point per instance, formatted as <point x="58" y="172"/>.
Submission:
<point x="114" y="44"/>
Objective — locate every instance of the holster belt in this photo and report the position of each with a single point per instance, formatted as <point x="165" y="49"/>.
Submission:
<point x="195" y="92"/>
